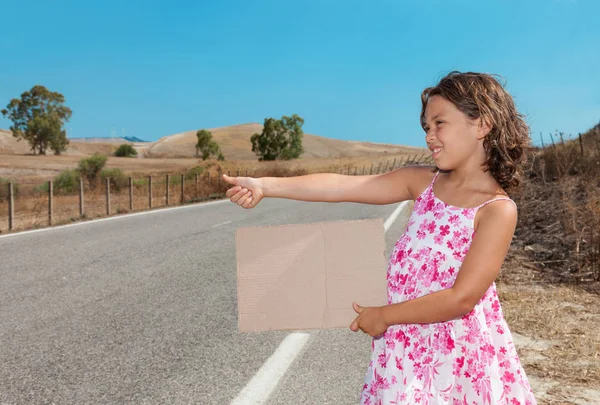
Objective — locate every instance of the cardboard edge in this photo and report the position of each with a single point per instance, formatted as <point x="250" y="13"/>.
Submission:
<point x="237" y="280"/>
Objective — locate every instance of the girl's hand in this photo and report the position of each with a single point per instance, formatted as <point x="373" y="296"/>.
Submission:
<point x="247" y="191"/>
<point x="369" y="320"/>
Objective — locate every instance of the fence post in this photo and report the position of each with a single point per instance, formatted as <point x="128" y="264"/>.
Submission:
<point x="182" y="186"/>
<point x="11" y="207"/>
<point x="196" y="189"/>
<point x="50" y="192"/>
<point x="355" y="170"/>
<point x="150" y="191"/>
<point x="81" y="210"/>
<point x="371" y="169"/>
<point x="130" y="194"/>
<point x="386" y="165"/>
<point x="246" y="172"/>
<point x="581" y="144"/>
<point x="394" y="164"/>
<point x="208" y="176"/>
<point x="378" y="167"/>
<point x="108" y="196"/>
<point x="167" y="189"/>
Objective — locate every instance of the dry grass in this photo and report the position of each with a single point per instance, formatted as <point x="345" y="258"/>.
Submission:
<point x="559" y="212"/>
<point x="564" y="323"/>
<point x="567" y="315"/>
<point x="32" y="208"/>
<point x="29" y="168"/>
<point x="550" y="284"/>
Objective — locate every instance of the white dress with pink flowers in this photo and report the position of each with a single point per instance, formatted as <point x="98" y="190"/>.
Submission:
<point x="469" y="360"/>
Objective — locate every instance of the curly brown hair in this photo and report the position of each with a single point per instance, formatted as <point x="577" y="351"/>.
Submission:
<point x="482" y="95"/>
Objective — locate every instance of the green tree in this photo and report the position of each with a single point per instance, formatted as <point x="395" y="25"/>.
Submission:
<point x="207" y="145"/>
<point x="38" y="117"/>
<point x="279" y="139"/>
<point x="126" y="150"/>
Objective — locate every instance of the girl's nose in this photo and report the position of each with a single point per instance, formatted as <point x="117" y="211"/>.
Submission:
<point x="429" y="136"/>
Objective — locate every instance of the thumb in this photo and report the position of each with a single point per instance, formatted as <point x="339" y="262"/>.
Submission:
<point x="357" y="308"/>
<point x="230" y="180"/>
<point x="354" y="325"/>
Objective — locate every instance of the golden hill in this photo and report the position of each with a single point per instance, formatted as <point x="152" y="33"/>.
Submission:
<point x="235" y="144"/>
<point x="234" y="141"/>
<point x="9" y="145"/>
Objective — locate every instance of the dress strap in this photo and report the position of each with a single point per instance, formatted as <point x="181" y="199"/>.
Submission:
<point x="495" y="199"/>
<point x="434" y="178"/>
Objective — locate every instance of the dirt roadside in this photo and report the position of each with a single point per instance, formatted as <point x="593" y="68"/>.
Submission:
<point x="556" y="329"/>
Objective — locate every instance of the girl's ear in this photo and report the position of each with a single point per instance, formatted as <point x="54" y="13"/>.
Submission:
<point x="484" y="127"/>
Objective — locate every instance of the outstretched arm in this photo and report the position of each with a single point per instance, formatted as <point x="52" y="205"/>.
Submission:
<point x="386" y="188"/>
<point x="479" y="269"/>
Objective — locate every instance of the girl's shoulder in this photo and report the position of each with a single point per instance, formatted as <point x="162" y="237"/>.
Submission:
<point x="422" y="177"/>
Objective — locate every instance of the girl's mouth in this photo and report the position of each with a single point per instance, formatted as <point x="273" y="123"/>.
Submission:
<point x="436" y="152"/>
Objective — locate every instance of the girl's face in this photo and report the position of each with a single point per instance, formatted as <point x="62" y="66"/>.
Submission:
<point x="453" y="138"/>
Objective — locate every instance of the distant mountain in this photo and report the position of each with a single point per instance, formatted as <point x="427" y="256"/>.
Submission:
<point x="133" y="139"/>
<point x="119" y="139"/>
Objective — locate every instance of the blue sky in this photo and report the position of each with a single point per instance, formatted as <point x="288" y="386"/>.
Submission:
<point x="353" y="70"/>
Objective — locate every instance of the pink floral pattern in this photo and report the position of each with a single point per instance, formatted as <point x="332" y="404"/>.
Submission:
<point x="468" y="360"/>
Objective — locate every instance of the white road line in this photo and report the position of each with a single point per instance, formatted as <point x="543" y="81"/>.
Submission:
<point x="257" y="391"/>
<point x="388" y="223"/>
<point x="260" y="387"/>
<point x="222" y="223"/>
<point x="112" y="218"/>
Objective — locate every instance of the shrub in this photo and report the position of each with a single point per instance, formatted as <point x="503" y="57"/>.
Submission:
<point x="42" y="188"/>
<point x="191" y="174"/>
<point x="90" y="167"/>
<point x="117" y="179"/>
<point x="126" y="150"/>
<point x="66" y="182"/>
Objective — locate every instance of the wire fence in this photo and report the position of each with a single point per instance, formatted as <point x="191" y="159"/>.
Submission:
<point x="34" y="205"/>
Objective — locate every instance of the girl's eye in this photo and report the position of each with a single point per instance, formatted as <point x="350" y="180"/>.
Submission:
<point x="439" y="122"/>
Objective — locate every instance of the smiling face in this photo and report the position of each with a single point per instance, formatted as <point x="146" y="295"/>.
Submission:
<point x="455" y="140"/>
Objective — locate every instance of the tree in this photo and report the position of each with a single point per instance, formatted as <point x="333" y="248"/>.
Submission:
<point x="207" y="145"/>
<point x="279" y="139"/>
<point x="38" y="117"/>
<point x="126" y="150"/>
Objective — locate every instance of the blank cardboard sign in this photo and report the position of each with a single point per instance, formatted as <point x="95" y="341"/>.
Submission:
<point x="306" y="276"/>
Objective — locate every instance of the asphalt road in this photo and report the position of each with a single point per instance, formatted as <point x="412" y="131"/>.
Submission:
<point x="142" y="310"/>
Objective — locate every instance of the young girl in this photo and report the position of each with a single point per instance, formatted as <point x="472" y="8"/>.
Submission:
<point x="442" y="338"/>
